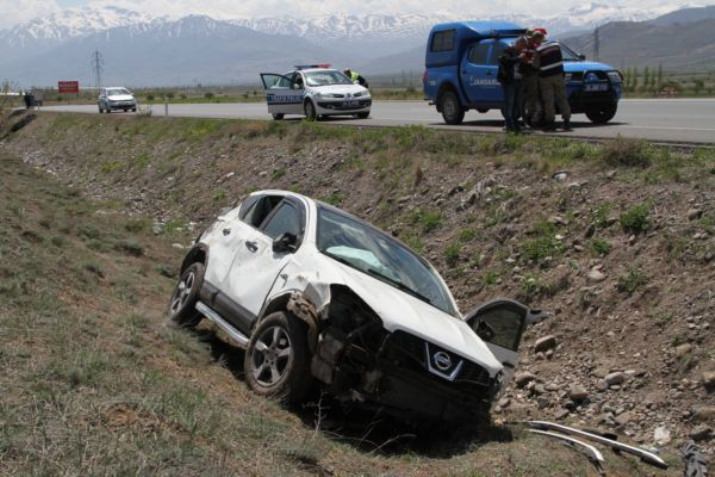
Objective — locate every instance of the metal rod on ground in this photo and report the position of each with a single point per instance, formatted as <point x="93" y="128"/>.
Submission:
<point x="166" y="107"/>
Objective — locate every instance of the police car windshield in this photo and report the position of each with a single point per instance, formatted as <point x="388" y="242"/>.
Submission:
<point x="360" y="246"/>
<point x="326" y="77"/>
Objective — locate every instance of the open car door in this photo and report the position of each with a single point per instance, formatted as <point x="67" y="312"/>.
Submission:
<point x="500" y="324"/>
<point x="283" y="95"/>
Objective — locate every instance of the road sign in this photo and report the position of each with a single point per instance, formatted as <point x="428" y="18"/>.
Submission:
<point x="68" y="87"/>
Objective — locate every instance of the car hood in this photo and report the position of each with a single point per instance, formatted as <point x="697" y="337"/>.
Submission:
<point x="121" y="97"/>
<point x="340" y="89"/>
<point x="400" y="311"/>
<point x="577" y="66"/>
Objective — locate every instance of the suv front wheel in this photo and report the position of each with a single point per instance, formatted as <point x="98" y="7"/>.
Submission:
<point x="277" y="361"/>
<point x="182" y="306"/>
<point x="452" y="111"/>
<point x="602" y="113"/>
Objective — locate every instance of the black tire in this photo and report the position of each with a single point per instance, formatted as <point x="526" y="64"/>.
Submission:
<point x="278" y="116"/>
<point x="601" y="114"/>
<point x="452" y="110"/>
<point x="182" y="306"/>
<point x="483" y="110"/>
<point x="362" y="115"/>
<point x="309" y="109"/>
<point x="277" y="360"/>
<point x="101" y="110"/>
<point x="134" y="110"/>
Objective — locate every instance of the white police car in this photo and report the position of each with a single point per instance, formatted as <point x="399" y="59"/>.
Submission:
<point x="315" y="91"/>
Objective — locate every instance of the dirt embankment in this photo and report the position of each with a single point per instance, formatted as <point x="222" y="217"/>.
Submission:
<point x="616" y="241"/>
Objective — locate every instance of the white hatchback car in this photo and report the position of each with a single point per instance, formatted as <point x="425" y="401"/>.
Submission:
<point x="319" y="297"/>
<point x="111" y="99"/>
<point x="315" y="91"/>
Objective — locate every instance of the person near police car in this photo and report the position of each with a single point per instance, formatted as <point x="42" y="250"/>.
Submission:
<point x="530" y="100"/>
<point x="509" y="76"/>
<point x="552" y="85"/>
<point x="355" y="77"/>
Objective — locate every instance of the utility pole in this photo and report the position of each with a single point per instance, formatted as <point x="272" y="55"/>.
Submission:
<point x="97" y="67"/>
<point x="596" y="45"/>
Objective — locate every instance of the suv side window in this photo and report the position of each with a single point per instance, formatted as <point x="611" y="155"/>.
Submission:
<point x="286" y="219"/>
<point x="497" y="51"/>
<point x="257" y="212"/>
<point x="443" y="41"/>
<point x="479" y="53"/>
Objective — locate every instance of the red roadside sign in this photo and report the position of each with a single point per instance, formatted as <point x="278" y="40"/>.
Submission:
<point x="68" y="87"/>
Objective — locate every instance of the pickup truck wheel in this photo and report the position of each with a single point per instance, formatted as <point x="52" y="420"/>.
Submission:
<point x="101" y="110"/>
<point x="452" y="111"/>
<point x="601" y="114"/>
<point x="278" y="116"/>
<point x="277" y="361"/>
<point x="309" y="110"/>
<point x="182" y="306"/>
<point x="482" y="110"/>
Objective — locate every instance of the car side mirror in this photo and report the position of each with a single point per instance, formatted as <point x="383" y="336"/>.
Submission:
<point x="285" y="243"/>
<point x="581" y="56"/>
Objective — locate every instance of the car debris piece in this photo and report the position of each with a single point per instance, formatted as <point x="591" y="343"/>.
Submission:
<point x="645" y="456"/>
<point x="695" y="463"/>
<point x="593" y="454"/>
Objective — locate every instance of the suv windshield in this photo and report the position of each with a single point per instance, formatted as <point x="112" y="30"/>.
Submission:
<point x="377" y="254"/>
<point x="568" y="54"/>
<point x="326" y="77"/>
<point x="117" y="91"/>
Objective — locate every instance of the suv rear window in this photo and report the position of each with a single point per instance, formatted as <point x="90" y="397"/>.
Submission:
<point x="442" y="41"/>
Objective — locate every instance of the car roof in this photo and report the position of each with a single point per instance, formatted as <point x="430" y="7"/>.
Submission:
<point x="482" y="28"/>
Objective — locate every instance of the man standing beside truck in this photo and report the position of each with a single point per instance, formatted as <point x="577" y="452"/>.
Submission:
<point x="509" y="75"/>
<point x="552" y="85"/>
<point x="530" y="98"/>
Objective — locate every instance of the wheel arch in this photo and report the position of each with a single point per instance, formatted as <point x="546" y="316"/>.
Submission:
<point x="199" y="253"/>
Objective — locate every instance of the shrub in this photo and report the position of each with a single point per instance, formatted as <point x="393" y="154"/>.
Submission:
<point x="208" y="95"/>
<point x="635" y="220"/>
<point x="627" y="152"/>
<point x="451" y="254"/>
<point x="631" y="281"/>
<point x="600" y="246"/>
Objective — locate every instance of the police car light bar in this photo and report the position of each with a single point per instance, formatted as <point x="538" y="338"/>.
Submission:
<point x="305" y="67"/>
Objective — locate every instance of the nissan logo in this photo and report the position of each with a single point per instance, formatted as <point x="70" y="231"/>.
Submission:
<point x="442" y="361"/>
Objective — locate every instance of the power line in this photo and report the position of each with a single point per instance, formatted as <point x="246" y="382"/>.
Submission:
<point x="97" y="67"/>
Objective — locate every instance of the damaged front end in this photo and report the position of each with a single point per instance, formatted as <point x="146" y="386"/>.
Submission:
<point x="358" y="360"/>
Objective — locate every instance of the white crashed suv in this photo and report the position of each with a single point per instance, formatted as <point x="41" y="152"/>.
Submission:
<point x="318" y="297"/>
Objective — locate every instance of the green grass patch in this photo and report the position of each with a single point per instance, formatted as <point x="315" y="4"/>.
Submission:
<point x="636" y="219"/>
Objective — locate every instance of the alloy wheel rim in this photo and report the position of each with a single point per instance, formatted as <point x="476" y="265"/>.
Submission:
<point x="183" y="292"/>
<point x="271" y="356"/>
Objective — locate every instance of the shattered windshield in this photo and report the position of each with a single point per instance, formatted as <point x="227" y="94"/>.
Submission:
<point x="377" y="254"/>
<point x="326" y="77"/>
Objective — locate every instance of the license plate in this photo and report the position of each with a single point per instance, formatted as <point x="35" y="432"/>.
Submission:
<point x="350" y="104"/>
<point x="596" y="87"/>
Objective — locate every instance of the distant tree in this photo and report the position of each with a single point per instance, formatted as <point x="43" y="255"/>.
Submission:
<point x="698" y="86"/>
<point x="646" y="78"/>
<point x="660" y="75"/>
<point x="634" y="82"/>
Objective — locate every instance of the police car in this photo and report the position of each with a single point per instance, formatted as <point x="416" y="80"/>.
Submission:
<point x="315" y="91"/>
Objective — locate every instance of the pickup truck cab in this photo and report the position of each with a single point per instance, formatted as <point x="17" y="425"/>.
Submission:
<point x="462" y="60"/>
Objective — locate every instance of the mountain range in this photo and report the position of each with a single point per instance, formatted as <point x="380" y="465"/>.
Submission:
<point x="144" y="50"/>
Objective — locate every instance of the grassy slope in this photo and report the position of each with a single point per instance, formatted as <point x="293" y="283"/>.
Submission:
<point x="100" y="385"/>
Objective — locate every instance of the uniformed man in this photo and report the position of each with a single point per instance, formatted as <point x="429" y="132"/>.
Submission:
<point x="552" y="85"/>
<point x="529" y="97"/>
<point x="355" y="77"/>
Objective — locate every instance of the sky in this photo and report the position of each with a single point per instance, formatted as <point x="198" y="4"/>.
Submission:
<point x="20" y="11"/>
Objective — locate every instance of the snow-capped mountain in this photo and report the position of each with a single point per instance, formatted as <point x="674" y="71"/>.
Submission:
<point x="71" y="23"/>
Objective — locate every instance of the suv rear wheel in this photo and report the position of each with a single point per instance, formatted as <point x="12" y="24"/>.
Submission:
<point x="452" y="111"/>
<point x="602" y="113"/>
<point x="278" y="116"/>
<point x="182" y="306"/>
<point x="277" y="361"/>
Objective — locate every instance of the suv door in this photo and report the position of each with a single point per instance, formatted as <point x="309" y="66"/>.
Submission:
<point x="256" y="265"/>
<point x="284" y="95"/>
<point x="500" y="324"/>
<point x="479" y="74"/>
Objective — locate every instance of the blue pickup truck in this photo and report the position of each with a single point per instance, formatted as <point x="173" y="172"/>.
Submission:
<point x="461" y="72"/>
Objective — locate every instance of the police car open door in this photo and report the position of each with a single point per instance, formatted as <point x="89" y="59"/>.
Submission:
<point x="283" y="95"/>
<point x="500" y="324"/>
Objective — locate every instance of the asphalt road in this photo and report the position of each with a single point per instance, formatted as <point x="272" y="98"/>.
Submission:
<point x="658" y="120"/>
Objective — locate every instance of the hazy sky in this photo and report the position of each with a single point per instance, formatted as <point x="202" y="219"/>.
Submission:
<point x="18" y="11"/>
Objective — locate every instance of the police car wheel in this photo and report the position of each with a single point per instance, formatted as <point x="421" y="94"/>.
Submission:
<point x="602" y="114"/>
<point x="309" y="109"/>
<point x="452" y="111"/>
<point x="278" y="116"/>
